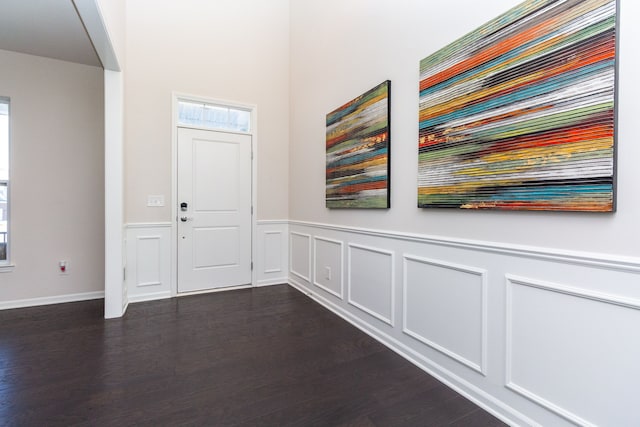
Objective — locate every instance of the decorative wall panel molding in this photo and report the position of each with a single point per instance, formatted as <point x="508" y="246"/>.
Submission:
<point x="300" y="255"/>
<point x="148" y="266"/>
<point x="271" y="261"/>
<point x="273" y="248"/>
<point x="370" y="286"/>
<point x="446" y="281"/>
<point x="587" y="259"/>
<point x="444" y="307"/>
<point x="148" y="260"/>
<point x="557" y="338"/>
<point x="328" y="265"/>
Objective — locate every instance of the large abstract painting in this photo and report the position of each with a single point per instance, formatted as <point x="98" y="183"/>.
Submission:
<point x="520" y="113"/>
<point x="358" y="137"/>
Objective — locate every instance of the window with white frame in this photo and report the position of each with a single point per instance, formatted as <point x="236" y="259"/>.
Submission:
<point x="4" y="180"/>
<point x="212" y="116"/>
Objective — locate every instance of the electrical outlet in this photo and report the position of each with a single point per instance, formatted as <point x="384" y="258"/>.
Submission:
<point x="63" y="267"/>
<point x="327" y="273"/>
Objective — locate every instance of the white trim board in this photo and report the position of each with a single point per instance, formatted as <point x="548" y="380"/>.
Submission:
<point x="613" y="262"/>
<point x="273" y="222"/>
<point x="271" y="282"/>
<point x="134" y="225"/>
<point x="58" y="299"/>
<point x="149" y="297"/>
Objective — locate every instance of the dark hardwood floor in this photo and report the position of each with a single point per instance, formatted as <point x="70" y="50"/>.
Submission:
<point x="259" y="357"/>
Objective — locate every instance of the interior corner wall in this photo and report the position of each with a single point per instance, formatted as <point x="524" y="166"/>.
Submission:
<point x="229" y="50"/>
<point x="341" y="49"/>
<point x="57" y="179"/>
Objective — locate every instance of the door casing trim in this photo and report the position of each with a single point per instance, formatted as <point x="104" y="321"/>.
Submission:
<point x="179" y="96"/>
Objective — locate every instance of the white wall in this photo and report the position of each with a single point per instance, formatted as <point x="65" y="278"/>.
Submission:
<point x="57" y="179"/>
<point x="340" y="49"/>
<point x="530" y="314"/>
<point x="231" y="50"/>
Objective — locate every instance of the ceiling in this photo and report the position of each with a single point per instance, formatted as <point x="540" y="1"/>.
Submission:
<point x="48" y="28"/>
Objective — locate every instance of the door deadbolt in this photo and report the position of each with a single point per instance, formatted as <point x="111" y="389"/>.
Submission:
<point x="184" y="206"/>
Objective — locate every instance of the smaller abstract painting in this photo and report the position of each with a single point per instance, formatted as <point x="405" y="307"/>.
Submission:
<point x="358" y="138"/>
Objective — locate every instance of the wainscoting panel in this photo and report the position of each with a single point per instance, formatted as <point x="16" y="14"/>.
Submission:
<point x="271" y="262"/>
<point x="371" y="279"/>
<point x="148" y="260"/>
<point x="273" y="248"/>
<point x="444" y="308"/>
<point x="300" y="256"/>
<point x="560" y="342"/>
<point x="148" y="267"/>
<point x="561" y="349"/>
<point x="328" y="265"/>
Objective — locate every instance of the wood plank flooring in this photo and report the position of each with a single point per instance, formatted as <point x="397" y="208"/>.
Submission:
<point x="258" y="357"/>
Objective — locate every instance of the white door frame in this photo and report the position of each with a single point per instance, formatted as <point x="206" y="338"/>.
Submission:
<point x="175" y="97"/>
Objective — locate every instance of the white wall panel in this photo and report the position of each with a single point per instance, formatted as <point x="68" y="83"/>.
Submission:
<point x="444" y="308"/>
<point x="148" y="259"/>
<point x="300" y="255"/>
<point x="371" y="281"/>
<point x="271" y="262"/>
<point x="148" y="267"/>
<point x="273" y="249"/>
<point x="328" y="265"/>
<point x="574" y="352"/>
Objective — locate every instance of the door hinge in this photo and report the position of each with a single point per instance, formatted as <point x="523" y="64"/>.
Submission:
<point x="251" y="210"/>
<point x="251" y="154"/>
<point x="251" y="265"/>
<point x="124" y="274"/>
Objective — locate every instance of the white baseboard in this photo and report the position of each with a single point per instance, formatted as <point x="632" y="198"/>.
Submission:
<point x="149" y="297"/>
<point x="272" y="282"/>
<point x="58" y="299"/>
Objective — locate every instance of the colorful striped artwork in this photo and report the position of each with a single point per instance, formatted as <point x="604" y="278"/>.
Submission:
<point x="358" y="137"/>
<point x="520" y="113"/>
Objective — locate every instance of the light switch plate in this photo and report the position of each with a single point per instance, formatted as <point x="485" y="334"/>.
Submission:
<point x="155" y="201"/>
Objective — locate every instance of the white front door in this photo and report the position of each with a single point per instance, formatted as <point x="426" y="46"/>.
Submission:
<point x="214" y="209"/>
